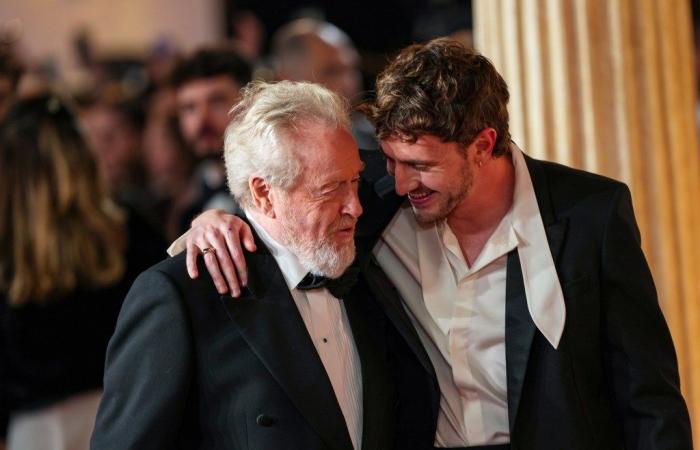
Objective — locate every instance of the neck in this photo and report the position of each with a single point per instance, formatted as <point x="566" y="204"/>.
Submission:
<point x="267" y="223"/>
<point x="477" y="216"/>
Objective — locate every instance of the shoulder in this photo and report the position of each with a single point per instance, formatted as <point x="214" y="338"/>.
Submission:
<point x="560" y="175"/>
<point x="170" y="275"/>
<point x="570" y="187"/>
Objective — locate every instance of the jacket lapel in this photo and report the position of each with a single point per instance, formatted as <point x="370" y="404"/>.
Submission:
<point x="554" y="227"/>
<point x="376" y="382"/>
<point x="270" y="323"/>
<point x="389" y="298"/>
<point x="520" y="329"/>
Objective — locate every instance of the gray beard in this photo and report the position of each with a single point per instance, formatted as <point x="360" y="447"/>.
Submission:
<point x="320" y="258"/>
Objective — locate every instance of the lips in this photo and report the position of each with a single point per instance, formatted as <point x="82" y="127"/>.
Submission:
<point x="345" y="231"/>
<point x="419" y="198"/>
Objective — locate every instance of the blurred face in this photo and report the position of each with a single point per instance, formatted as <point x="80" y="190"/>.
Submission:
<point x="436" y="176"/>
<point x="317" y="216"/>
<point x="203" y="105"/>
<point x="335" y="67"/>
<point x="115" y="142"/>
<point x="166" y="162"/>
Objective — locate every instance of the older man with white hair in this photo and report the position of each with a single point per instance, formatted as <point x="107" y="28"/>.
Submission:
<point x="305" y="359"/>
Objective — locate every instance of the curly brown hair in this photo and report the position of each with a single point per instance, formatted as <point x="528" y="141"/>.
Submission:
<point x="443" y="89"/>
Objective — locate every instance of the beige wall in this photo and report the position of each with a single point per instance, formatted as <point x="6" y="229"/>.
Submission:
<point x="48" y="26"/>
<point x="608" y="86"/>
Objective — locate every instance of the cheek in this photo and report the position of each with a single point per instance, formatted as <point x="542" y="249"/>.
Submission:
<point x="220" y="121"/>
<point x="318" y="221"/>
<point x="187" y="123"/>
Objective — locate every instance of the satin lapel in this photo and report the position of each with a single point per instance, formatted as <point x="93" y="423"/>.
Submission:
<point x="555" y="228"/>
<point x="520" y="330"/>
<point x="371" y="345"/>
<point x="387" y="295"/>
<point x="269" y="321"/>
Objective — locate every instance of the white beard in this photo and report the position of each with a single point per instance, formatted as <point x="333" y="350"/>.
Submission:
<point x="320" y="258"/>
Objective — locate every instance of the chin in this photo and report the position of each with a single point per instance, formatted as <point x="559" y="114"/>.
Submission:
<point x="329" y="260"/>
<point x="427" y="217"/>
<point x="436" y="213"/>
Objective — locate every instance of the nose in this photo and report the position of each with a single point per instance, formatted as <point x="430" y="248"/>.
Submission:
<point x="203" y="118"/>
<point x="405" y="178"/>
<point x="352" y="205"/>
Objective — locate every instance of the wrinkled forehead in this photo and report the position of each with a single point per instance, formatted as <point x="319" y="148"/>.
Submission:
<point x="327" y="150"/>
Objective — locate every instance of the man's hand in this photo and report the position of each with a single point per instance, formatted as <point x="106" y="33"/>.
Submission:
<point x="222" y="232"/>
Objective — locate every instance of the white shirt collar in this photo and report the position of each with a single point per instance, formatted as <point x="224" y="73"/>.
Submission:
<point x="522" y="227"/>
<point x="502" y="240"/>
<point x="545" y="299"/>
<point x="289" y="264"/>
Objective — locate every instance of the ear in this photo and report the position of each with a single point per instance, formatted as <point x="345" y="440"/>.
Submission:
<point x="262" y="196"/>
<point x="485" y="141"/>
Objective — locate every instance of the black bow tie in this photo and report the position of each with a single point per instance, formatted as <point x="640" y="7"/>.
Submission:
<point x="338" y="287"/>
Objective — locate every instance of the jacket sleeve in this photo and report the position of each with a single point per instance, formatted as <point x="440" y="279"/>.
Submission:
<point x="147" y="371"/>
<point x="639" y="354"/>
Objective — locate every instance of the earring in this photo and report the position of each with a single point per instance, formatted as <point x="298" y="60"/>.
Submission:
<point x="478" y="163"/>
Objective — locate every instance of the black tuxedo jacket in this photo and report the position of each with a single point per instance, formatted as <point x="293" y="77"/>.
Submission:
<point x="187" y="368"/>
<point x="613" y="382"/>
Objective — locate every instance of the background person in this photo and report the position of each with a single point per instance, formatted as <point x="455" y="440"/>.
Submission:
<point x="67" y="257"/>
<point x="206" y="85"/>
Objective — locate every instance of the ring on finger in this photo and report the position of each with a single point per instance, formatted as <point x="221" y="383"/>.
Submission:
<point x="206" y="250"/>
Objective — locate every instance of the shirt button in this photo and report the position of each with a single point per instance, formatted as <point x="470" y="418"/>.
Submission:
<point x="265" y="421"/>
<point x="325" y="340"/>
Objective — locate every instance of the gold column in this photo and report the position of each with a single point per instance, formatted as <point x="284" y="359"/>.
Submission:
<point x="608" y="86"/>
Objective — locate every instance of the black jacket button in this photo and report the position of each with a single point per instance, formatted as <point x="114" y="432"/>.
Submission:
<point x="265" y="421"/>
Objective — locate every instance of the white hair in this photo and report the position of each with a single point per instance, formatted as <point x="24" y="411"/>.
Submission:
<point x="266" y="123"/>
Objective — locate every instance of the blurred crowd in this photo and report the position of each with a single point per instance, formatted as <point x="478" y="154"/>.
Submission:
<point x="155" y="126"/>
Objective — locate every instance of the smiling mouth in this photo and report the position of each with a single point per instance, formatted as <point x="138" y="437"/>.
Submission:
<point x="419" y="198"/>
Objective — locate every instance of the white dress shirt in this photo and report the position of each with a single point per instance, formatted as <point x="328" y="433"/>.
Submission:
<point x="327" y="323"/>
<point x="459" y="311"/>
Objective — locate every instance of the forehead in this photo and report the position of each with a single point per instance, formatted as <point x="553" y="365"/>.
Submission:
<point x="327" y="153"/>
<point x="204" y="87"/>
<point x="427" y="147"/>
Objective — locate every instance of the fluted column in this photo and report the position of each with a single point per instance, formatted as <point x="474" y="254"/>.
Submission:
<point x="608" y="86"/>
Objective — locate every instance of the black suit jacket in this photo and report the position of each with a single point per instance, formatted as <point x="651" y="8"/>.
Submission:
<point x="187" y="368"/>
<point x="613" y="382"/>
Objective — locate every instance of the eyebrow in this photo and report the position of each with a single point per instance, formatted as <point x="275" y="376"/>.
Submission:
<point x="411" y="162"/>
<point x="336" y="182"/>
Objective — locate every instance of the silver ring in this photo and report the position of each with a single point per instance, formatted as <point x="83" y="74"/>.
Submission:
<point x="208" y="250"/>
